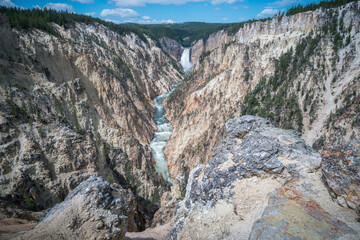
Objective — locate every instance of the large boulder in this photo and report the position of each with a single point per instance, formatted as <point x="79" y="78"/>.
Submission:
<point x="263" y="175"/>
<point x="93" y="210"/>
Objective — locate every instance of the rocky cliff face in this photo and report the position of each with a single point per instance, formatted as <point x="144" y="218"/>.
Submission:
<point x="300" y="72"/>
<point x="261" y="183"/>
<point x="76" y="105"/>
<point x="172" y="47"/>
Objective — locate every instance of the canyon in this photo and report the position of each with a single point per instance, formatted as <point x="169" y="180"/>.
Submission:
<point x="246" y="134"/>
<point x="72" y="108"/>
<point x="286" y="69"/>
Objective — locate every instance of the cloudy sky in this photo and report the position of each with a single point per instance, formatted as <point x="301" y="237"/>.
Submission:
<point x="165" y="11"/>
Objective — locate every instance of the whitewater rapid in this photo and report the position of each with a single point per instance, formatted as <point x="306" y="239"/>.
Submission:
<point x="164" y="128"/>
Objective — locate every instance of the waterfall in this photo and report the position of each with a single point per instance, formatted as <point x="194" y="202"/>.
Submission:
<point x="164" y="128"/>
<point x="185" y="60"/>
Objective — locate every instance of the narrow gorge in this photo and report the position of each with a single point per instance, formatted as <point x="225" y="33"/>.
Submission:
<point x="246" y="130"/>
<point x="164" y="128"/>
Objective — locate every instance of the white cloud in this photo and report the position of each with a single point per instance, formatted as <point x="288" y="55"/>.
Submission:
<point x="282" y="3"/>
<point x="225" y="1"/>
<point x="119" y="12"/>
<point x="169" y="21"/>
<point x="242" y="19"/>
<point x="154" y="21"/>
<point x="146" y="17"/>
<point x="90" y="13"/>
<point x="225" y="19"/>
<point x="60" y="7"/>
<point x="217" y="9"/>
<point x="84" y="1"/>
<point x="267" y="12"/>
<point x="142" y="3"/>
<point x="7" y="3"/>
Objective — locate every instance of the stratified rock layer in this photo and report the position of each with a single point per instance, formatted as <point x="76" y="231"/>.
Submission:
<point x="93" y="210"/>
<point x="341" y="168"/>
<point x="259" y="171"/>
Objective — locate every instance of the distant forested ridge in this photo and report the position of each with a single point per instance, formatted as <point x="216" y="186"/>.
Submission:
<point x="313" y="6"/>
<point x="184" y="33"/>
<point x="42" y="19"/>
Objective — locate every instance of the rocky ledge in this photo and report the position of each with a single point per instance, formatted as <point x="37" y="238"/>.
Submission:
<point x="263" y="183"/>
<point x="93" y="210"/>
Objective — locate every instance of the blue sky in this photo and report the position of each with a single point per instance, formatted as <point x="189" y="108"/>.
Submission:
<point x="165" y="11"/>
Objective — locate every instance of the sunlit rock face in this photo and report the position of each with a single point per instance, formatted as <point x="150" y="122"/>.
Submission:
<point x="75" y="106"/>
<point x="172" y="47"/>
<point x="261" y="183"/>
<point x="291" y="70"/>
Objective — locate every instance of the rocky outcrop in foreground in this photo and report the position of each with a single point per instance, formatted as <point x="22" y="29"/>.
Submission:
<point x="93" y="210"/>
<point x="261" y="183"/>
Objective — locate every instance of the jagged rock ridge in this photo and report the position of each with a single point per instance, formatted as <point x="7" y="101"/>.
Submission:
<point x="261" y="183"/>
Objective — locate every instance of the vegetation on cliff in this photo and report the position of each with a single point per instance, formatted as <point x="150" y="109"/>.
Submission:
<point x="42" y="18"/>
<point x="271" y="97"/>
<point x="313" y="6"/>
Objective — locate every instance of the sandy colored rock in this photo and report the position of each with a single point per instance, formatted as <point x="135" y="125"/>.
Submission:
<point x="291" y="215"/>
<point x="255" y="162"/>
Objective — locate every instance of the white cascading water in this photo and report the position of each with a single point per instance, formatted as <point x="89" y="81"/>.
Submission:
<point x="185" y="60"/>
<point x="162" y="135"/>
<point x="164" y="128"/>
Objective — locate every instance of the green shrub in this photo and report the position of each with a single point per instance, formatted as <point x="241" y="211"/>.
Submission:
<point x="29" y="202"/>
<point x="41" y="132"/>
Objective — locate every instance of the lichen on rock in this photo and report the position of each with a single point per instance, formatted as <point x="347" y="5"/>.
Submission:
<point x="341" y="169"/>
<point x="95" y="209"/>
<point x="277" y="169"/>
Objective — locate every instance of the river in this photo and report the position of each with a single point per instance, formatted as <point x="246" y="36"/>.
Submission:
<point x="164" y="128"/>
